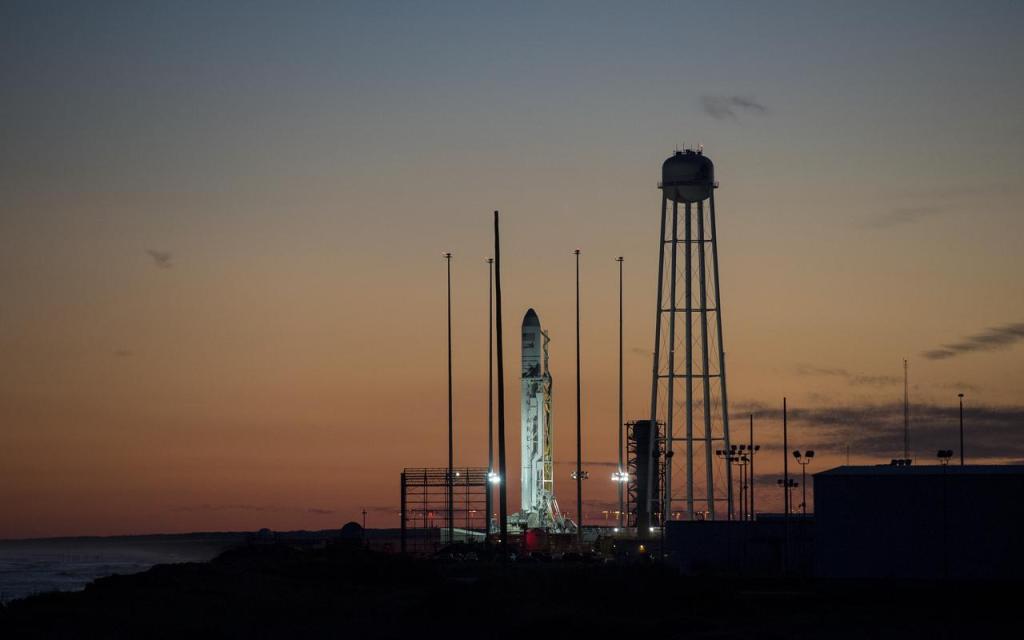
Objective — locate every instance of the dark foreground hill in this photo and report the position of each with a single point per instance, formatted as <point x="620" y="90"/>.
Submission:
<point x="277" y="591"/>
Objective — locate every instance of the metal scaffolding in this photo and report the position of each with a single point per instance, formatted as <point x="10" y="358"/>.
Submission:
<point x="688" y="390"/>
<point x="637" y="434"/>
<point x="425" y="507"/>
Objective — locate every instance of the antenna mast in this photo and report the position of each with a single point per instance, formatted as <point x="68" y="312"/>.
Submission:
<point x="906" y="414"/>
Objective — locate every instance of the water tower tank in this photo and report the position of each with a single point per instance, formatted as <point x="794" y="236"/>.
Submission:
<point x="687" y="176"/>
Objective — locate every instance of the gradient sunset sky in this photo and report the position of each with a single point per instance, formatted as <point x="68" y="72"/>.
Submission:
<point x="221" y="229"/>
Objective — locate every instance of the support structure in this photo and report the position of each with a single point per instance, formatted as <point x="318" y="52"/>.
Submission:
<point x="700" y="423"/>
<point x="429" y="520"/>
<point x="645" y="459"/>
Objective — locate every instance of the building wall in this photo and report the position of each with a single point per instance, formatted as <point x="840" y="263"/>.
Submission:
<point x="740" y="548"/>
<point x="919" y="523"/>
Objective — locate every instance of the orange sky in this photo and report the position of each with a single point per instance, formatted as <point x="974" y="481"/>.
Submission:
<point x="286" y="360"/>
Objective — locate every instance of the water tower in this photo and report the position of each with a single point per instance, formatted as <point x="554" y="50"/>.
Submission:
<point x="688" y="389"/>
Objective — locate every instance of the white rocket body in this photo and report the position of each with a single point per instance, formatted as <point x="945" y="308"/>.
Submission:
<point x="539" y="507"/>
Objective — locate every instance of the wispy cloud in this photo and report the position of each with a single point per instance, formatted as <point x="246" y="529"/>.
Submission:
<point x="589" y="463"/>
<point x="382" y="509"/>
<point x="122" y="353"/>
<point x="858" y="379"/>
<point x="261" y="508"/>
<point x="161" y="259"/>
<point x="229" y="507"/>
<point x="903" y="216"/>
<point x="996" y="432"/>
<point x="729" y="107"/>
<point x="992" y="339"/>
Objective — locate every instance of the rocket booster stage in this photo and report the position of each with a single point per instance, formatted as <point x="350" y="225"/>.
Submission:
<point x="538" y="500"/>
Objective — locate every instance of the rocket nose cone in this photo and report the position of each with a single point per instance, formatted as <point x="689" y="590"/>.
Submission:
<point x="531" y="319"/>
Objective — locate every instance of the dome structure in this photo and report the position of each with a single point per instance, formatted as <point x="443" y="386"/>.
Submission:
<point x="687" y="176"/>
<point x="351" y="531"/>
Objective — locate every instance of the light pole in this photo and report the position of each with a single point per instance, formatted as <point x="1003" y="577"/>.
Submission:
<point x="730" y="456"/>
<point x="745" y="458"/>
<point x="785" y="483"/>
<point x="785" y="458"/>
<point x="804" y="460"/>
<point x="579" y="434"/>
<point x="752" y="450"/>
<point x="961" y="396"/>
<point x="451" y="449"/>
<point x="788" y="487"/>
<point x="621" y="485"/>
<point x="490" y="395"/>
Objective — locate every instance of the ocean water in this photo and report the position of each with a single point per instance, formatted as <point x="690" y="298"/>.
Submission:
<point x="36" y="566"/>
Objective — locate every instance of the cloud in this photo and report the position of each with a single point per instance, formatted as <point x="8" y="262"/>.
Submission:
<point x="320" y="512"/>
<point x="991" y="432"/>
<point x="729" y="107"/>
<point x="161" y="259"/>
<point x="858" y="379"/>
<point x="382" y="509"/>
<point x="589" y="463"/>
<point x="228" y="507"/>
<point x="992" y="339"/>
<point x="122" y="353"/>
<point x="903" y="215"/>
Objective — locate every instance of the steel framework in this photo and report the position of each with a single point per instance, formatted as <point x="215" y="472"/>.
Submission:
<point x="689" y="323"/>
<point x="635" y="447"/>
<point x="425" y="507"/>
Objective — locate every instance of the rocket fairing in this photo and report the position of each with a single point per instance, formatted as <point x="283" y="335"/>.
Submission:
<point x="537" y="481"/>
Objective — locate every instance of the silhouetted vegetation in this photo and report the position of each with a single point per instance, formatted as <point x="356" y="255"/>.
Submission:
<point x="275" y="590"/>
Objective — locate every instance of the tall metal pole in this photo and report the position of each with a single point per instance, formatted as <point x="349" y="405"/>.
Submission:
<point x="785" y="458"/>
<point x="906" y="413"/>
<point x="622" y="489"/>
<point x="709" y="487"/>
<point x="688" y="287"/>
<point x="579" y="433"/>
<point x="666" y="510"/>
<point x="803" y="481"/>
<point x="961" y="428"/>
<point x="785" y="485"/>
<point x="502" y="476"/>
<point x="404" y="515"/>
<point x="743" y="489"/>
<point x="750" y="508"/>
<point x="490" y="394"/>
<point x="721" y="342"/>
<point x="451" y="440"/>
<point x="643" y="531"/>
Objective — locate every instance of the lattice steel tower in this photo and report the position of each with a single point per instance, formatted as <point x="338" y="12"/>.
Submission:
<point x="688" y="390"/>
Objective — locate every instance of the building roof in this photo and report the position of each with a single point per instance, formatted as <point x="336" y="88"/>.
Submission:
<point x="924" y="470"/>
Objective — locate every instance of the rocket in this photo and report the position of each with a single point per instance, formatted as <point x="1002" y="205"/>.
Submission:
<point x="537" y="480"/>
